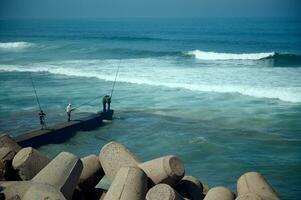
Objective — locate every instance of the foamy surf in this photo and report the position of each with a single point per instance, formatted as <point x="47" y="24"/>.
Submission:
<point x="206" y="55"/>
<point x="15" y="45"/>
<point x="244" y="81"/>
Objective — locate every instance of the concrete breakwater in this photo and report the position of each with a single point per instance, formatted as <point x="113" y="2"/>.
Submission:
<point x="26" y="173"/>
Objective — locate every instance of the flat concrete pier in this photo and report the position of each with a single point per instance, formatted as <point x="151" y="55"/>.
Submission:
<point x="58" y="133"/>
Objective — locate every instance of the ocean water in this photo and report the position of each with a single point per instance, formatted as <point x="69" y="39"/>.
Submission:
<point x="224" y="95"/>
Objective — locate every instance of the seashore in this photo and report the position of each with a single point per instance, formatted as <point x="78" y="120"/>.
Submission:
<point x="26" y="173"/>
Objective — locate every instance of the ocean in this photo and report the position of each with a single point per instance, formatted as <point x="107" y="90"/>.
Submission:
<point x="224" y="95"/>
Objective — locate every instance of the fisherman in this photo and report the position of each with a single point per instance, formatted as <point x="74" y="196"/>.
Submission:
<point x="104" y="103"/>
<point x="68" y="110"/>
<point x="42" y="119"/>
<point x="109" y="102"/>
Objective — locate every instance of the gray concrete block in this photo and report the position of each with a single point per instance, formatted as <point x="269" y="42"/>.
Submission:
<point x="62" y="173"/>
<point x="28" y="162"/>
<point x="168" y="169"/>
<point x="219" y="193"/>
<point x="113" y="156"/>
<point x="91" y="174"/>
<point x="249" y="196"/>
<point x="7" y="141"/>
<point x="191" y="188"/>
<point x="253" y="182"/>
<point x="11" y="189"/>
<point x="42" y="192"/>
<point x="6" y="156"/>
<point x="163" y="192"/>
<point x="130" y="183"/>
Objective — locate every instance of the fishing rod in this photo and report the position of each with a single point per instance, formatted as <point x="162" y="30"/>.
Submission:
<point x="34" y="88"/>
<point x="87" y="103"/>
<point x="115" y="79"/>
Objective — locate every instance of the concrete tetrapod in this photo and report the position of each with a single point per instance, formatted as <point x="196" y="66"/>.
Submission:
<point x="249" y="196"/>
<point x="92" y="172"/>
<point x="62" y="173"/>
<point x="28" y="190"/>
<point x="28" y="162"/>
<point x="130" y="183"/>
<point x="163" y="192"/>
<point x="113" y="156"/>
<point x="2" y="170"/>
<point x="41" y="192"/>
<point x="168" y="169"/>
<point x="253" y="182"/>
<point x="7" y="141"/>
<point x="6" y="156"/>
<point x="8" y="149"/>
<point x="219" y="193"/>
<point x="191" y="188"/>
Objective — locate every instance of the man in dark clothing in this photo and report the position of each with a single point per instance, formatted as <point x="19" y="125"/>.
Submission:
<point x="109" y="102"/>
<point x="42" y="119"/>
<point x="106" y="100"/>
<point x="104" y="103"/>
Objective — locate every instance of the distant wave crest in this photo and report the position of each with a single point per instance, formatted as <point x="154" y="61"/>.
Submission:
<point x="206" y="55"/>
<point x="15" y="45"/>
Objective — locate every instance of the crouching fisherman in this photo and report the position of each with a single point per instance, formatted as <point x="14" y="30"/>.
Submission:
<point x="68" y="111"/>
<point x="42" y="119"/>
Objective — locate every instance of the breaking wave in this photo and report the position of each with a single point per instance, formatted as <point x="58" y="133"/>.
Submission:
<point x="15" y="45"/>
<point x="206" y="55"/>
<point x="245" y="81"/>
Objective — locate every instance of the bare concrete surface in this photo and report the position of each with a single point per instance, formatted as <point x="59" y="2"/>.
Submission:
<point x="163" y="192"/>
<point x="7" y="141"/>
<point x="219" y="193"/>
<point x="28" y="162"/>
<point x="113" y="156"/>
<point x="168" y="169"/>
<point x="130" y="183"/>
<point x="62" y="173"/>
<point x="254" y="182"/>
<point x="249" y="196"/>
<point x="92" y="172"/>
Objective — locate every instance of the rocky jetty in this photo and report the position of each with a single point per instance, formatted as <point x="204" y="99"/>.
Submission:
<point x="25" y="173"/>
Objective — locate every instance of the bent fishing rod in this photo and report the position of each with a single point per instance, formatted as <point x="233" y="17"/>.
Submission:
<point x="113" y="87"/>
<point x="37" y="98"/>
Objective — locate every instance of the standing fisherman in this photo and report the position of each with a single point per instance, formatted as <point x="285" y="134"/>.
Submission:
<point x="42" y="119"/>
<point x="68" y="111"/>
<point x="104" y="103"/>
<point x="109" y="102"/>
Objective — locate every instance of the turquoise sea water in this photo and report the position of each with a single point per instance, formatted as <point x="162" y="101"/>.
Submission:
<point x="224" y="95"/>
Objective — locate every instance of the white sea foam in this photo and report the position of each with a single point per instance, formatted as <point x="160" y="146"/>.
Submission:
<point x="275" y="83"/>
<point x="204" y="55"/>
<point x="15" y="45"/>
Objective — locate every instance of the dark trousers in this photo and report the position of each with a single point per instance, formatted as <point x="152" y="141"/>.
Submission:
<point x="42" y="123"/>
<point x="69" y="116"/>
<point x="104" y="108"/>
